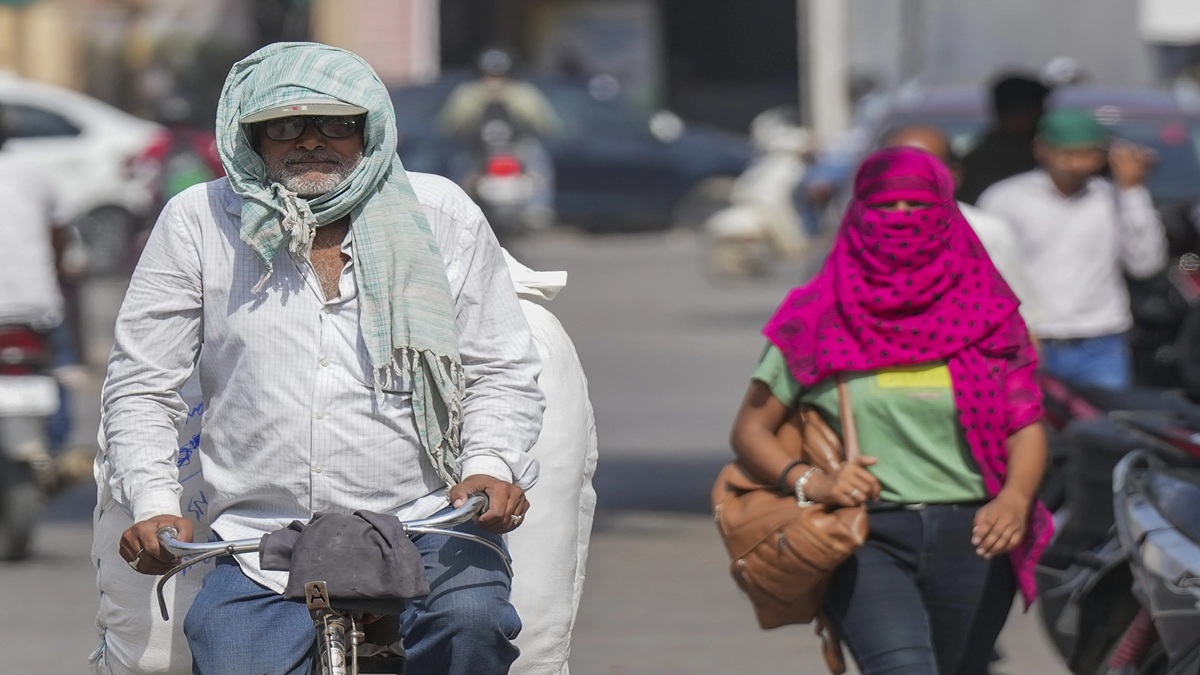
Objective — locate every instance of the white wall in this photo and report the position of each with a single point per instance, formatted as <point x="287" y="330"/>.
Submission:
<point x="960" y="41"/>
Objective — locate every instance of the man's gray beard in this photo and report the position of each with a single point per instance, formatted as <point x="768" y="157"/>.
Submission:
<point x="304" y="183"/>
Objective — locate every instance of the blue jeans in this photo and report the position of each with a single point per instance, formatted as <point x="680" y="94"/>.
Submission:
<point x="916" y="600"/>
<point x="1102" y="361"/>
<point x="465" y="625"/>
<point x="58" y="427"/>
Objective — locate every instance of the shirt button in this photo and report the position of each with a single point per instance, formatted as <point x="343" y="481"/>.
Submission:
<point x="327" y="309"/>
<point x="320" y="415"/>
<point x="317" y="468"/>
<point x="324" y="363"/>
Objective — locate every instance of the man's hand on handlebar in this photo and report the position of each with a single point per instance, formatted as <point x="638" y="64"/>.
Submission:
<point x="141" y="548"/>
<point x="507" y="501"/>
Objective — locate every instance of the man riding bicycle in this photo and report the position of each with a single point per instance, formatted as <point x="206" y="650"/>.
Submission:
<point x="363" y="349"/>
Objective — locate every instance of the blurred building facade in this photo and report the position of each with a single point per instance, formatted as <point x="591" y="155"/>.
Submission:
<point x="963" y="41"/>
<point x="710" y="60"/>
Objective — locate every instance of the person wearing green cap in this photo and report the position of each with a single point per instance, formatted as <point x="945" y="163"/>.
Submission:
<point x="1079" y="235"/>
<point x="360" y="347"/>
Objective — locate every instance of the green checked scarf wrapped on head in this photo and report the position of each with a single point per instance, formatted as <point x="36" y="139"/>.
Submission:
<point x="407" y="312"/>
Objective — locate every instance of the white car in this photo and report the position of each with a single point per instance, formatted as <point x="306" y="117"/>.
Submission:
<point x="105" y="163"/>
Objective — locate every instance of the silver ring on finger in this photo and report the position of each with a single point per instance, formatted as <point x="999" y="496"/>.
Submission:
<point x="855" y="493"/>
<point x="137" y="559"/>
<point x="516" y="519"/>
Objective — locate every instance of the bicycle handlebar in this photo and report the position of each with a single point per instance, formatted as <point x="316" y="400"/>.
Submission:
<point x="476" y="504"/>
<point x="191" y="553"/>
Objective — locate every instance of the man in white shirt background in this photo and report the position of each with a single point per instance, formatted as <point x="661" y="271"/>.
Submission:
<point x="363" y="348"/>
<point x="1079" y="234"/>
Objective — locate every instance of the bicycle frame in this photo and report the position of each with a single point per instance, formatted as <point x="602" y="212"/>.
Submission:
<point x="338" y="633"/>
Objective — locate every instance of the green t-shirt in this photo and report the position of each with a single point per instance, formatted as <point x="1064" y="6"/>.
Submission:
<point x="906" y="418"/>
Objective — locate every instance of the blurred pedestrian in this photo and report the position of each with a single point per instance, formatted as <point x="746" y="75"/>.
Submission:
<point x="356" y="352"/>
<point x="1006" y="149"/>
<point x="37" y="273"/>
<point x="1079" y="235"/>
<point x="910" y="312"/>
<point x="550" y="549"/>
<point x="996" y="235"/>
<point x="35" y="239"/>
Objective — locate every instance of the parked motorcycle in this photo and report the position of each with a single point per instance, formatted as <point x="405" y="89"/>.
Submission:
<point x="1089" y="606"/>
<point x="28" y="397"/>
<point x="1085" y="442"/>
<point x="761" y="225"/>
<point x="1157" y="505"/>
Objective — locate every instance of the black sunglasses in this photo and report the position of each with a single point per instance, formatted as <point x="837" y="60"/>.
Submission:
<point x="291" y="128"/>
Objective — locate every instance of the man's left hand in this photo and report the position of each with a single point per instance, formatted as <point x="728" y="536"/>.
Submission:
<point x="1130" y="163"/>
<point x="507" y="501"/>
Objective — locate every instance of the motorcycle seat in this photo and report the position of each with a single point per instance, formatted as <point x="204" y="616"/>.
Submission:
<point x="1136" y="398"/>
<point x="1176" y="493"/>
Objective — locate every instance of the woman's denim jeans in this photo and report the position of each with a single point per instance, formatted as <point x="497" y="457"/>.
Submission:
<point x="916" y="599"/>
<point x="463" y="627"/>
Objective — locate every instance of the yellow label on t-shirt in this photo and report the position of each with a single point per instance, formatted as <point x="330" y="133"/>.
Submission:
<point x="914" y="377"/>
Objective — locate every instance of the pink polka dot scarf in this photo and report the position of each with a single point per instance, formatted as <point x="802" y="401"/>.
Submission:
<point x="907" y="287"/>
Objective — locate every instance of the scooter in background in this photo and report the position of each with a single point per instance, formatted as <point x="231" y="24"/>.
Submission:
<point x="28" y="397"/>
<point x="761" y="226"/>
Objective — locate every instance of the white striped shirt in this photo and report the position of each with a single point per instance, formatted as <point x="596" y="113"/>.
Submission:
<point x="1075" y="249"/>
<point x="292" y="424"/>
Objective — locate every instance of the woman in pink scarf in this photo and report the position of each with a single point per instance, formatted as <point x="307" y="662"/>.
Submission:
<point x="909" y="309"/>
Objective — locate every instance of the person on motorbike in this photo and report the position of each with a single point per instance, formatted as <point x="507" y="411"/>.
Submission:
<point x="355" y="351"/>
<point x="36" y="275"/>
<point x="1079" y="235"/>
<point x="36" y="241"/>
<point x="496" y="96"/>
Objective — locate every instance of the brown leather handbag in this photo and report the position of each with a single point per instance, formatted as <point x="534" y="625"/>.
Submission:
<point x="783" y="554"/>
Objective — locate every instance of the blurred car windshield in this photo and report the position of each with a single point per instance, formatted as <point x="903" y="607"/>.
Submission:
<point x="583" y="113"/>
<point x="30" y="122"/>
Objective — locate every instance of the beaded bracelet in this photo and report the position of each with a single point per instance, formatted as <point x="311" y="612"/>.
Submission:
<point x="801" y="499"/>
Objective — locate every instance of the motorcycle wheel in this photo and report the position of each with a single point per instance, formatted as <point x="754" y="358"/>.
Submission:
<point x="20" y="508"/>
<point x="1155" y="662"/>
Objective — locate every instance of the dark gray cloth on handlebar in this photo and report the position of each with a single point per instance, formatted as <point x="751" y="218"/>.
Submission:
<point x="366" y="560"/>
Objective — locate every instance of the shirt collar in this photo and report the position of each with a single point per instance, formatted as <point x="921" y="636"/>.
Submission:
<point x="1048" y="184"/>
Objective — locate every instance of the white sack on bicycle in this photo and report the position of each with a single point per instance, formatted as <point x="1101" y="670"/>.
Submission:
<point x="133" y="637"/>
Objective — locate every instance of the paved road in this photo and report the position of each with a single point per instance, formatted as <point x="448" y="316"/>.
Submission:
<point x="667" y="353"/>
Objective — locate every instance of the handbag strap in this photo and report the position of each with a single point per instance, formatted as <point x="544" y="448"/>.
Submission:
<point x="849" y="428"/>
